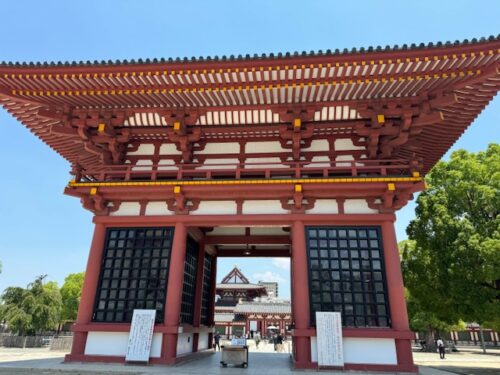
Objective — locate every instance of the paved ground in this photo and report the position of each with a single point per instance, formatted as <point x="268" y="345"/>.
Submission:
<point x="467" y="361"/>
<point x="262" y="361"/>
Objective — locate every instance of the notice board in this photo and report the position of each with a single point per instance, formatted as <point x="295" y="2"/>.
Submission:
<point x="141" y="336"/>
<point x="329" y="339"/>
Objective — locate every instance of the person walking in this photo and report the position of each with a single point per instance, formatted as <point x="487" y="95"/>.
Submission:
<point x="440" y="345"/>
<point x="256" y="337"/>
<point x="279" y="343"/>
<point x="217" y="342"/>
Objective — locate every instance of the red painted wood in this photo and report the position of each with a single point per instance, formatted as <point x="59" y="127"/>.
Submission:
<point x="300" y="292"/>
<point x="198" y="292"/>
<point x="246" y="220"/>
<point x="395" y="293"/>
<point x="89" y="289"/>
<point x="231" y="240"/>
<point x="174" y="292"/>
<point x="260" y="253"/>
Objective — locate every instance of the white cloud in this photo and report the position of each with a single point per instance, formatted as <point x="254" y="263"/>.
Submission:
<point x="268" y="276"/>
<point x="283" y="263"/>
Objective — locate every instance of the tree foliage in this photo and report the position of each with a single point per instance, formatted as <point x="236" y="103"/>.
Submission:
<point x="71" y="292"/>
<point x="451" y="266"/>
<point x="32" y="310"/>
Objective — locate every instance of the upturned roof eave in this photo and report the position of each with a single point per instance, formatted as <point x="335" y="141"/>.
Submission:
<point x="72" y="67"/>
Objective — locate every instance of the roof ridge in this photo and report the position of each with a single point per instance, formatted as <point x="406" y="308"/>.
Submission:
<point x="248" y="57"/>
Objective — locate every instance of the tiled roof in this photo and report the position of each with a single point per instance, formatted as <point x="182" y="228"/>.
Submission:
<point x="224" y="308"/>
<point x="247" y="57"/>
<point x="264" y="308"/>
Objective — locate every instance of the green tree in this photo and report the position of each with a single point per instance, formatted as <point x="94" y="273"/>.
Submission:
<point x="32" y="310"/>
<point x="70" y="293"/>
<point x="452" y="269"/>
<point x="12" y="310"/>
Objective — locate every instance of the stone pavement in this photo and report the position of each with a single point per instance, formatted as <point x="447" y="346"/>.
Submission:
<point x="467" y="361"/>
<point x="261" y="362"/>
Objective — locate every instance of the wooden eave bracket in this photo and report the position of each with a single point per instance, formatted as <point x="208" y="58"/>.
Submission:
<point x="181" y="131"/>
<point x="298" y="202"/>
<point x="98" y="205"/>
<point x="394" y="198"/>
<point x="182" y="205"/>
<point x="295" y="134"/>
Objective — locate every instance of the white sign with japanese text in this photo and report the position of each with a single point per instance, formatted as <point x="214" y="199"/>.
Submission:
<point x="329" y="339"/>
<point x="141" y="336"/>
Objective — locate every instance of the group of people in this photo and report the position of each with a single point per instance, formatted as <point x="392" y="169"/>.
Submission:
<point x="276" y="339"/>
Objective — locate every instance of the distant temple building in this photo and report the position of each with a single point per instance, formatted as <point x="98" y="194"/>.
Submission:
<point x="239" y="308"/>
<point x="271" y="288"/>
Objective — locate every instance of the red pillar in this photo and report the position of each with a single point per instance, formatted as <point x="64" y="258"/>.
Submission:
<point x="395" y="291"/>
<point x="211" y="302"/>
<point x="89" y="290"/>
<point x="198" y="293"/>
<point x="174" y="294"/>
<point x="300" y="296"/>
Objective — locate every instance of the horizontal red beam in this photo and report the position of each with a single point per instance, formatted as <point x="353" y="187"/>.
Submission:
<point x="255" y="240"/>
<point x="253" y="253"/>
<point x="245" y="220"/>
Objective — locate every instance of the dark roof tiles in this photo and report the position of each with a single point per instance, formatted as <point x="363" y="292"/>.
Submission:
<point x="263" y="56"/>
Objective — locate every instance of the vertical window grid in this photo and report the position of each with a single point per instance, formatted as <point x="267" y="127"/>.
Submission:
<point x="134" y="273"/>
<point x="207" y="289"/>
<point x="346" y="274"/>
<point x="189" y="285"/>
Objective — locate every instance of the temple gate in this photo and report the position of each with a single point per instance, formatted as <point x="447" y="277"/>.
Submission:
<point x="310" y="154"/>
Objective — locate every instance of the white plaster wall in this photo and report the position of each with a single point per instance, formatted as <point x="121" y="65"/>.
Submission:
<point x="220" y="148"/>
<point x="167" y="165"/>
<point x="363" y="351"/>
<point x="370" y="350"/>
<point x="127" y="209"/>
<point x="144" y="149"/>
<point x="216" y="208"/>
<point x="208" y="164"/>
<point x="314" y="349"/>
<point x="143" y="165"/>
<point x="346" y="145"/>
<point x="324" y="206"/>
<point x="169" y="149"/>
<point x="269" y="146"/>
<point x="157" y="208"/>
<point x="358" y="206"/>
<point x="317" y="162"/>
<point x="268" y="231"/>
<point x="115" y="344"/>
<point x="202" y="341"/>
<point x="270" y="163"/>
<point x="263" y="207"/>
<point x="343" y="157"/>
<point x="184" y="343"/>
<point x="318" y="145"/>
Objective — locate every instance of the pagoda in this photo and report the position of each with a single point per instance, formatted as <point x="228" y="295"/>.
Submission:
<point x="304" y="155"/>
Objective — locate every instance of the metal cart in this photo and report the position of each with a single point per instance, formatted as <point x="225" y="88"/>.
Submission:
<point x="236" y="355"/>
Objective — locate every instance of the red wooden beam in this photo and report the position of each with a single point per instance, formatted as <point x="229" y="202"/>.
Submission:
<point x="253" y="253"/>
<point x="252" y="240"/>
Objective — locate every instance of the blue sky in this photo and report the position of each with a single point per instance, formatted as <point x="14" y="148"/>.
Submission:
<point x="44" y="232"/>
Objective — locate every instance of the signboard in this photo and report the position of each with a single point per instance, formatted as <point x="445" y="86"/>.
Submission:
<point x="329" y="339"/>
<point x="141" y="336"/>
<point x="240" y="342"/>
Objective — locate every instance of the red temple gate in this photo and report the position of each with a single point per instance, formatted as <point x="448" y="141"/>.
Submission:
<point x="322" y="148"/>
